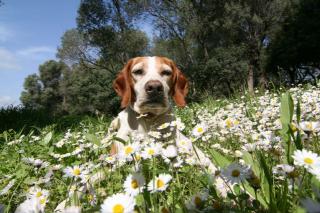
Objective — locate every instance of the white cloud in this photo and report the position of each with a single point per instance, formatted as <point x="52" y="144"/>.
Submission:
<point x="8" y="60"/>
<point x="6" y="101"/>
<point x="38" y="52"/>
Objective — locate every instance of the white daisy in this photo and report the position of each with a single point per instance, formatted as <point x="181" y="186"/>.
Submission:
<point x="282" y="169"/>
<point x="184" y="145"/>
<point x="163" y="126"/>
<point x="30" y="205"/>
<point x="72" y="209"/>
<point x="170" y="152"/>
<point x="160" y="183"/>
<point x="235" y="173"/>
<point x="309" y="126"/>
<point x="315" y="171"/>
<point x="199" y="129"/>
<point x="305" y="158"/>
<point x="118" y="203"/>
<point x="37" y="192"/>
<point x="197" y="201"/>
<point x="134" y="184"/>
<point x="75" y="171"/>
<point x="128" y="150"/>
<point x="152" y="150"/>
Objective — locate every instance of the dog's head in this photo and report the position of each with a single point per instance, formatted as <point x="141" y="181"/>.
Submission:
<point x="146" y="83"/>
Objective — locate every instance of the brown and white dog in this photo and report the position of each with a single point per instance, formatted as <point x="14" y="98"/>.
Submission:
<point x="145" y="86"/>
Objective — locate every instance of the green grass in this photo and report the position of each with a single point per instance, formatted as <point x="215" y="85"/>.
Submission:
<point x="231" y="126"/>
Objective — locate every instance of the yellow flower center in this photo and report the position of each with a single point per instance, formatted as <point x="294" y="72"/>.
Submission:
<point x="128" y="150"/>
<point x="76" y="172"/>
<point x="308" y="160"/>
<point x="236" y="122"/>
<point x="160" y="183"/>
<point x="118" y="208"/>
<point x="229" y="123"/>
<point x="200" y="130"/>
<point x="90" y="197"/>
<point x="138" y="157"/>
<point x="134" y="184"/>
<point x="309" y="126"/>
<point x="42" y="200"/>
<point x="293" y="127"/>
<point x="197" y="201"/>
<point x="151" y="151"/>
<point x="235" y="173"/>
<point x="38" y="194"/>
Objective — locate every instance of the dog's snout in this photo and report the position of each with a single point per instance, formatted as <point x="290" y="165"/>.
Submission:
<point x="153" y="87"/>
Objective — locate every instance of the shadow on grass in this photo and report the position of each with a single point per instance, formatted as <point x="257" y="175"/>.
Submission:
<point x="23" y="120"/>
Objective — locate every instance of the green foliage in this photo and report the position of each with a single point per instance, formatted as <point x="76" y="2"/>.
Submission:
<point x="294" y="53"/>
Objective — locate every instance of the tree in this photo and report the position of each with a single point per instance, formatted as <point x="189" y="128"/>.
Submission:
<point x="74" y="49"/>
<point x="252" y="23"/>
<point x="31" y="95"/>
<point x="44" y="91"/>
<point x="108" y="27"/>
<point x="295" y="51"/>
<point x="89" y="89"/>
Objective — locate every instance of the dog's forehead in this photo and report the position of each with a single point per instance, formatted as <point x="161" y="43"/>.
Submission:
<point x="154" y="62"/>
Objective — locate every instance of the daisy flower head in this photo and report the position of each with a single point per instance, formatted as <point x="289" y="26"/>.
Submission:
<point x="110" y="159"/>
<point x="310" y="126"/>
<point x="128" y="150"/>
<point x="305" y="158"/>
<point x="164" y="126"/>
<point x="184" y="145"/>
<point x="134" y="184"/>
<point x="197" y="201"/>
<point x="160" y="183"/>
<point x="229" y="122"/>
<point x="199" y="129"/>
<point x="315" y="171"/>
<point x="282" y="169"/>
<point x="30" y="205"/>
<point x="72" y="209"/>
<point x="75" y="172"/>
<point x="235" y="173"/>
<point x="118" y="203"/>
<point x="170" y="152"/>
<point x="37" y="192"/>
<point x="152" y="150"/>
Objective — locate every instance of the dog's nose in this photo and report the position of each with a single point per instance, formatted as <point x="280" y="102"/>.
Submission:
<point x="153" y="87"/>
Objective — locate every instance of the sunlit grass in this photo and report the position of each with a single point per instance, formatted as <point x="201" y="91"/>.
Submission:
<point x="266" y="155"/>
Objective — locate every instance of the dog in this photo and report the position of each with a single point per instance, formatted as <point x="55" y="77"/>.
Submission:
<point x="146" y="86"/>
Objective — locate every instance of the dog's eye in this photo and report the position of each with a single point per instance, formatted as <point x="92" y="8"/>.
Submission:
<point x="138" y="72"/>
<point x="166" y="72"/>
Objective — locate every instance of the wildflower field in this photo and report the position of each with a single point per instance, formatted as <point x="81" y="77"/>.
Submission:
<point x="265" y="148"/>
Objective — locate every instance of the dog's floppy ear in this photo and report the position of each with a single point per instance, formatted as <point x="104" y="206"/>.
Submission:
<point x="123" y="85"/>
<point x="180" y="87"/>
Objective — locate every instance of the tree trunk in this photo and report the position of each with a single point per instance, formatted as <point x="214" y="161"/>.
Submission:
<point x="250" y="79"/>
<point x="263" y="80"/>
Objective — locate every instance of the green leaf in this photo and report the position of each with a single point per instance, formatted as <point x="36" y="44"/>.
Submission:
<point x="219" y="159"/>
<point x="286" y="112"/>
<point x="298" y="112"/>
<point x="47" y="138"/>
<point x="93" y="139"/>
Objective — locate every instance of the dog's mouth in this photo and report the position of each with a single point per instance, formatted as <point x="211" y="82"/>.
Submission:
<point x="154" y="102"/>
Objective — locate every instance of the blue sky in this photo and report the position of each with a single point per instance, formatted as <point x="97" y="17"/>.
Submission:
<point x="30" y="32"/>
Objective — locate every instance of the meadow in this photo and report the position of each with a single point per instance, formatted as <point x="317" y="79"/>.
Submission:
<point x="265" y="148"/>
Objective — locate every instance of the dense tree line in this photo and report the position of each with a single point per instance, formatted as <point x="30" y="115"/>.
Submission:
<point x="224" y="46"/>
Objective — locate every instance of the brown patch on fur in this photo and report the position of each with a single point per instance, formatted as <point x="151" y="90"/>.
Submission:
<point x="123" y="85"/>
<point x="180" y="85"/>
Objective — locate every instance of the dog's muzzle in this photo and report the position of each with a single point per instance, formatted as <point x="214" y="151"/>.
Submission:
<point x="155" y="92"/>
